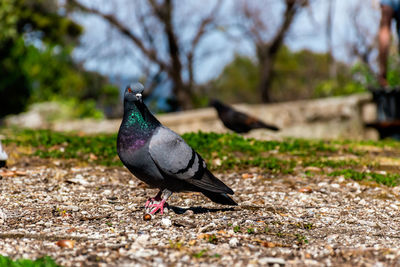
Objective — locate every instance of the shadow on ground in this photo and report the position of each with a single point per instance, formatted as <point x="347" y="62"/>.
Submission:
<point x="198" y="210"/>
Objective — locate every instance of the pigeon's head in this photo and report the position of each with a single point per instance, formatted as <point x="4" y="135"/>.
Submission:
<point x="214" y="103"/>
<point x="133" y="92"/>
<point x="218" y="105"/>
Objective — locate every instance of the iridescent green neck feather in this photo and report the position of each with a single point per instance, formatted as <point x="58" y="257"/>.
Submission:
<point x="135" y="118"/>
<point x="137" y="126"/>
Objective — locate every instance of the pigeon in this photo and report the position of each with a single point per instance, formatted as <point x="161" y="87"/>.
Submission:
<point x="161" y="158"/>
<point x="238" y="121"/>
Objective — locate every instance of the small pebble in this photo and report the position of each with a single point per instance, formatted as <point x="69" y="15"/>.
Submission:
<point x="234" y="242"/>
<point x="305" y="190"/>
<point x="166" y="222"/>
<point x="66" y="243"/>
<point x="147" y="217"/>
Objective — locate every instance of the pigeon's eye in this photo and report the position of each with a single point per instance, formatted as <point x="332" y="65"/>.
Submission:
<point x="129" y="90"/>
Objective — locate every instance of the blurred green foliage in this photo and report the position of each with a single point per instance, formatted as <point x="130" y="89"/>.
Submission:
<point x="36" y="43"/>
<point x="393" y="72"/>
<point x="41" y="262"/>
<point x="297" y="75"/>
<point x="238" y="81"/>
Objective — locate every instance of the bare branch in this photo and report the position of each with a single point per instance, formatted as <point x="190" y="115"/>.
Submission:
<point x="202" y="30"/>
<point x="365" y="43"/>
<point x="151" y="54"/>
<point x="292" y="7"/>
<point x="257" y="25"/>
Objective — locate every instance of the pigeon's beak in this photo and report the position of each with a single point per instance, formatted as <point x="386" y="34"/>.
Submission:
<point x="139" y="96"/>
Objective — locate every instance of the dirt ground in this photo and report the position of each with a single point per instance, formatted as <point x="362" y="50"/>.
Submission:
<point x="291" y="220"/>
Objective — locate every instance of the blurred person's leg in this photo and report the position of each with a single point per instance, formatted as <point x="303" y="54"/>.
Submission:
<point x="384" y="38"/>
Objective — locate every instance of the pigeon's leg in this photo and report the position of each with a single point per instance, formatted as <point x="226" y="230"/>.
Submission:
<point x="150" y="201"/>
<point x="159" y="206"/>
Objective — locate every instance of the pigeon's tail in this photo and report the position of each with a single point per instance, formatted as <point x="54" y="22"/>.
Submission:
<point x="208" y="182"/>
<point x="260" y="124"/>
<point x="220" y="198"/>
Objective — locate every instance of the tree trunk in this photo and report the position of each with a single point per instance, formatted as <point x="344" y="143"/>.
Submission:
<point x="183" y="97"/>
<point x="266" y="74"/>
<point x="266" y="52"/>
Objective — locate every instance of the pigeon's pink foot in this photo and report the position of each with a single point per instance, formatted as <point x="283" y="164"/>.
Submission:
<point x="153" y="207"/>
<point x="157" y="203"/>
<point x="152" y="200"/>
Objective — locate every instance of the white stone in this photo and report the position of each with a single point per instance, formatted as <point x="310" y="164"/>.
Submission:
<point x="142" y="239"/>
<point x="269" y="260"/>
<point x="234" y="242"/>
<point x="3" y="216"/>
<point x="166" y="222"/>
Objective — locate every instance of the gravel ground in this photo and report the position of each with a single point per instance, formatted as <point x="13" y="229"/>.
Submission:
<point x="291" y="220"/>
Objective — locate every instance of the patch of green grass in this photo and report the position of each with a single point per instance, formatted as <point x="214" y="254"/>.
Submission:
<point x="272" y="164"/>
<point x="206" y="143"/>
<point x="213" y="239"/>
<point x="381" y="143"/>
<point x="41" y="262"/>
<point x="302" y="239"/>
<point x="100" y="149"/>
<point x="250" y="230"/>
<point x="233" y="150"/>
<point x="390" y="179"/>
<point x="321" y="163"/>
<point x="308" y="226"/>
<point x="236" y="229"/>
<point x="221" y="151"/>
<point x="311" y="146"/>
<point x="175" y="244"/>
<point x="200" y="253"/>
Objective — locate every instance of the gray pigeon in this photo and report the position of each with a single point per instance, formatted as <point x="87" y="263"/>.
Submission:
<point x="161" y="158"/>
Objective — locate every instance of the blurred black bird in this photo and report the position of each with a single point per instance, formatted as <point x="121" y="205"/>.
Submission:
<point x="238" y="121"/>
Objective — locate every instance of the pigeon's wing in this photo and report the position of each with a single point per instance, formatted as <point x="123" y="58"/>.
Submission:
<point x="177" y="159"/>
<point x="243" y="119"/>
<point x="173" y="156"/>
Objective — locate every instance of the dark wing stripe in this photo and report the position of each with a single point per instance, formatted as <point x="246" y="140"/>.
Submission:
<point x="200" y="171"/>
<point x="189" y="164"/>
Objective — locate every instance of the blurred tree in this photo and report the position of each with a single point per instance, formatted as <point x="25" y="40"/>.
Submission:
<point x="255" y="25"/>
<point x="14" y="84"/>
<point x="23" y="21"/>
<point x="298" y="75"/>
<point x="328" y="33"/>
<point x="166" y="35"/>
<point x="237" y="82"/>
<point x="362" y="41"/>
<point x="35" y="58"/>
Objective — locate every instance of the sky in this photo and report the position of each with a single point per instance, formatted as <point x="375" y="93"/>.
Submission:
<point x="307" y="32"/>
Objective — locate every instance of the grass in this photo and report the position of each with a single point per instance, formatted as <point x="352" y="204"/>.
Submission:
<point x="99" y="149"/>
<point x="41" y="262"/>
<point x="250" y="230"/>
<point x="391" y="179"/>
<point x="200" y="254"/>
<point x="320" y="163"/>
<point x="223" y="152"/>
